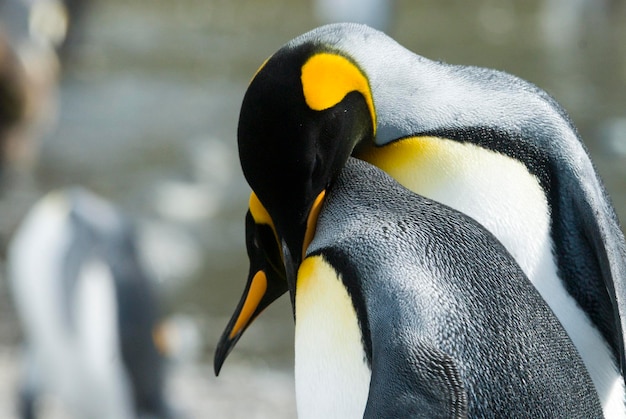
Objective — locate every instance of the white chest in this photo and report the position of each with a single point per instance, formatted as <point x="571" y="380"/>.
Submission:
<point x="332" y="376"/>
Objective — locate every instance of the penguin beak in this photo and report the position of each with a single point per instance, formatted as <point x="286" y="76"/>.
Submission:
<point x="260" y="292"/>
<point x="241" y="318"/>
<point x="264" y="285"/>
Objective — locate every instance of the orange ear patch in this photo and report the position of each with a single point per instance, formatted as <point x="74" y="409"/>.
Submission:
<point x="327" y="78"/>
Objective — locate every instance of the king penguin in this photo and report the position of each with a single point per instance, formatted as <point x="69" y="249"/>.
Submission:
<point x="405" y="307"/>
<point x="88" y="311"/>
<point x="484" y="142"/>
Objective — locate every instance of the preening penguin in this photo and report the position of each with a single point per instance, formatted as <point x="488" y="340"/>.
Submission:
<point x="481" y="141"/>
<point x="87" y="310"/>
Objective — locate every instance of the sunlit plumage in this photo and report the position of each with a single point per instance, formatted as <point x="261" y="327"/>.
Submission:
<point x="486" y="143"/>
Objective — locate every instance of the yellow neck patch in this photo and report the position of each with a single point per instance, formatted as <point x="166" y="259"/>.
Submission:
<point x="320" y="292"/>
<point x="421" y="163"/>
<point x="258" y="212"/>
<point x="327" y="78"/>
<point x="311" y="222"/>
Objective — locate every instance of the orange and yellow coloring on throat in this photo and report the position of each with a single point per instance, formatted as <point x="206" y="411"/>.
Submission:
<point x="419" y="163"/>
<point x="311" y="222"/>
<point x="400" y="153"/>
<point x="327" y="78"/>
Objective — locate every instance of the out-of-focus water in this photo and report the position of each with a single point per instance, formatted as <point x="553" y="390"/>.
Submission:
<point x="148" y="112"/>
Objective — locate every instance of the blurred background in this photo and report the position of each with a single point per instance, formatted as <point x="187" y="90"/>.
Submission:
<point x="138" y="101"/>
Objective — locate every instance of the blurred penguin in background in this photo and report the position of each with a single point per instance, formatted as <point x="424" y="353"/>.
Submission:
<point x="36" y="39"/>
<point x="87" y="311"/>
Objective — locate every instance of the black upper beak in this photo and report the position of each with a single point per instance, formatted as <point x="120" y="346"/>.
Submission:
<point x="292" y="263"/>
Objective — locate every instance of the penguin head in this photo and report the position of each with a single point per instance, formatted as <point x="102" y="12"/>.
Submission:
<point x="304" y="112"/>
<point x="266" y="282"/>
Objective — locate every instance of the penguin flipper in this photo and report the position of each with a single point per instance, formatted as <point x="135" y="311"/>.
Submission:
<point x="607" y="239"/>
<point x="417" y="380"/>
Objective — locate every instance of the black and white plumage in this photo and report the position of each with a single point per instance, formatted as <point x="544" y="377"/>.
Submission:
<point x="486" y="143"/>
<point x="407" y="308"/>
<point x="87" y="309"/>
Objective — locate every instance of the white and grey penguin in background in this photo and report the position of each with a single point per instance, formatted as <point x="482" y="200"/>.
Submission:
<point x="87" y="309"/>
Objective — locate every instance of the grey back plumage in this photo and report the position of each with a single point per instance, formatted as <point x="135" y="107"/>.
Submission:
<point x="450" y="324"/>
<point x="415" y="96"/>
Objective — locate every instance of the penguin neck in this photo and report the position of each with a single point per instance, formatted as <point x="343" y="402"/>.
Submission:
<point x="332" y="376"/>
<point x="494" y="189"/>
<point x="501" y="194"/>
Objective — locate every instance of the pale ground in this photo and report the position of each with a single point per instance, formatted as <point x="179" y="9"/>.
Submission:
<point x="240" y="392"/>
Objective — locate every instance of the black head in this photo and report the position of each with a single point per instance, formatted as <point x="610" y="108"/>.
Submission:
<point x="304" y="112"/>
